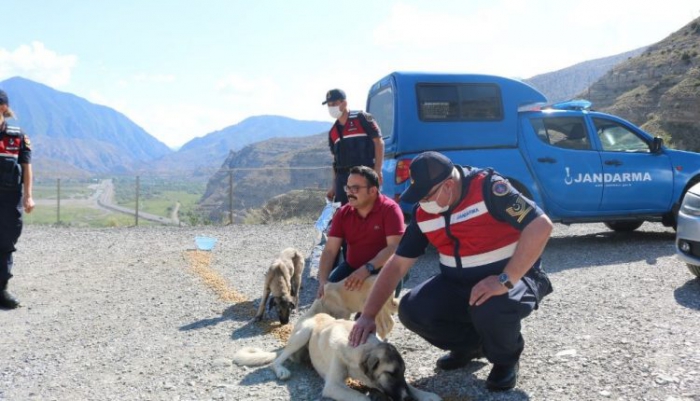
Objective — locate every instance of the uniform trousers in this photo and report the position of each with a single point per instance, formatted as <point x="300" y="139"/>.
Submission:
<point x="438" y="310"/>
<point x="10" y="229"/>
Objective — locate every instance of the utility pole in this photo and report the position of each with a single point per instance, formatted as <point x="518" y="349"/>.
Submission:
<point x="58" y="201"/>
<point x="230" y="196"/>
<point x="136" y="210"/>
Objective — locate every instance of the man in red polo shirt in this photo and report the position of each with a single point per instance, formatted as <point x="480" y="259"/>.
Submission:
<point x="372" y="226"/>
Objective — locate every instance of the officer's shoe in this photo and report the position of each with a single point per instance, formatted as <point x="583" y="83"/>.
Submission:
<point x="503" y="377"/>
<point x="7" y="301"/>
<point x="458" y="358"/>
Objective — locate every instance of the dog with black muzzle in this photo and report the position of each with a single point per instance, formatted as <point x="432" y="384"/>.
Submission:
<point x="375" y="364"/>
<point x="282" y="285"/>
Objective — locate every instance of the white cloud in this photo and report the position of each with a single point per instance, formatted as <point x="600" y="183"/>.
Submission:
<point x="37" y="63"/>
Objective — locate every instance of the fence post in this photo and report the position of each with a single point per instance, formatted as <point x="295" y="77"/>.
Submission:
<point x="58" y="201"/>
<point x="230" y="196"/>
<point x="136" y="210"/>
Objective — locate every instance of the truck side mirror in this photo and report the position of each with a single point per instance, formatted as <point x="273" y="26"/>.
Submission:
<point x="656" y="144"/>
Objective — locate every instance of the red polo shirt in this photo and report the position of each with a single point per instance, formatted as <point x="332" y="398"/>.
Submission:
<point x="366" y="236"/>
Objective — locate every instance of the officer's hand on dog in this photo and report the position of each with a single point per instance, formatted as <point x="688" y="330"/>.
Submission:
<point x="355" y="280"/>
<point x="362" y="328"/>
<point x="485" y="289"/>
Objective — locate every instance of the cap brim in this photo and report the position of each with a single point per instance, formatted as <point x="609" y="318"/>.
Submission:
<point x="413" y="194"/>
<point x="324" y="103"/>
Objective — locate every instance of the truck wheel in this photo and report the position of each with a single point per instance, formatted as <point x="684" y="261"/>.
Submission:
<point x="694" y="269"/>
<point x="624" y="226"/>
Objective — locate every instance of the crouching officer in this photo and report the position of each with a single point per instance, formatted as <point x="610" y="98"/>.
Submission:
<point x="15" y="180"/>
<point x="490" y="239"/>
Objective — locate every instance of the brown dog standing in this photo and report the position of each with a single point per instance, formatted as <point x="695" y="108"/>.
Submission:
<point x="283" y="282"/>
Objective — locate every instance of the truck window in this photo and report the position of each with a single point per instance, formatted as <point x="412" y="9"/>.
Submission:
<point x="615" y="137"/>
<point x="459" y="102"/>
<point x="381" y="106"/>
<point x="562" y="132"/>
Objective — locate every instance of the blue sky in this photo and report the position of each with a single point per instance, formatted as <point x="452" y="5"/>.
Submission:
<point x="182" y="69"/>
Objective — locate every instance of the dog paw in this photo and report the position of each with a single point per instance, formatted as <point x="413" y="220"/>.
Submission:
<point x="282" y="373"/>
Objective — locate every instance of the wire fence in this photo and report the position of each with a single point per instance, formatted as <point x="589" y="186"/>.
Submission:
<point x="217" y="197"/>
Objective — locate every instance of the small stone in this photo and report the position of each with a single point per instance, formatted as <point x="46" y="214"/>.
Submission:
<point x="222" y="362"/>
<point x="568" y="352"/>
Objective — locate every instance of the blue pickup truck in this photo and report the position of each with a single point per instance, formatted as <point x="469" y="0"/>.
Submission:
<point x="579" y="165"/>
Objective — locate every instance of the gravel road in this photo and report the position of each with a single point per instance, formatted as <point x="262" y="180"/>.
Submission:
<point x="136" y="314"/>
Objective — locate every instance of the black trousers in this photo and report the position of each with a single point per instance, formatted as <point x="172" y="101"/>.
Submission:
<point x="341" y="179"/>
<point x="10" y="229"/>
<point x="438" y="310"/>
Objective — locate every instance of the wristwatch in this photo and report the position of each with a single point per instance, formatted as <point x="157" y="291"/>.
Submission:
<point x="505" y="280"/>
<point x="370" y="268"/>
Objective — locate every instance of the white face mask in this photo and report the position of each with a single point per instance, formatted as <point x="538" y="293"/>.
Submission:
<point x="334" y="111"/>
<point x="432" y="207"/>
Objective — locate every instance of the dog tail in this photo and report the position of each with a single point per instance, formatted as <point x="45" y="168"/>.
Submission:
<point x="249" y="356"/>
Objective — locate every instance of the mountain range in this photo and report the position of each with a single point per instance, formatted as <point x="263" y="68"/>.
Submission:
<point x="73" y="137"/>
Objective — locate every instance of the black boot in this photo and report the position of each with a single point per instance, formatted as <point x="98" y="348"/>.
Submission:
<point x="7" y="301"/>
<point x="503" y="377"/>
<point x="459" y="358"/>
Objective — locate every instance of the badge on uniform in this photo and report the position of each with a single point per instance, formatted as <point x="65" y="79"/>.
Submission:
<point x="519" y="209"/>
<point x="500" y="188"/>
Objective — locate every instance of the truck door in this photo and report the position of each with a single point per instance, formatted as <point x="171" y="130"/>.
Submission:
<point x="560" y="151"/>
<point x="634" y="178"/>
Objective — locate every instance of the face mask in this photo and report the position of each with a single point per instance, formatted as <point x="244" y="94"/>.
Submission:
<point x="432" y="207"/>
<point x="334" y="111"/>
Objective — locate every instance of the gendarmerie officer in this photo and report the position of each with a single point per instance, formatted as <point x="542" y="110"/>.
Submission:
<point x="15" y="181"/>
<point x="489" y="238"/>
<point x="354" y="139"/>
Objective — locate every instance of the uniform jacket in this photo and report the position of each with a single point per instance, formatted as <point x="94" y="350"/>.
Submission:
<point x="352" y="144"/>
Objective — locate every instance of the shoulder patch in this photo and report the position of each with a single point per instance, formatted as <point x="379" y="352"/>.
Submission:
<point x="500" y="188"/>
<point x="368" y="116"/>
<point x="27" y="142"/>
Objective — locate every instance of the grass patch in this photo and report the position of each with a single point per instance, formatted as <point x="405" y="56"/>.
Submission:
<point x="80" y="216"/>
<point x="163" y="203"/>
<point x="69" y="189"/>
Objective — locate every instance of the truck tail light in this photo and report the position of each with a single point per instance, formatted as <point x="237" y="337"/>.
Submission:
<point x="402" y="173"/>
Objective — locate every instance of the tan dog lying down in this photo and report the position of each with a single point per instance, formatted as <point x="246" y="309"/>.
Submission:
<point x="342" y="303"/>
<point x="376" y="364"/>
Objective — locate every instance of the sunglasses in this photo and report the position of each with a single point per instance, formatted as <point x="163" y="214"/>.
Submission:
<point x="354" y="188"/>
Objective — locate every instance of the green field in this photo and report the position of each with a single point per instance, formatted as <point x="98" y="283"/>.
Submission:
<point x="80" y="216"/>
<point x="156" y="196"/>
<point x="69" y="189"/>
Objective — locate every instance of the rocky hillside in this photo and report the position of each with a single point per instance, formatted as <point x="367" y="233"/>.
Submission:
<point x="658" y="90"/>
<point x="566" y="83"/>
<point x="264" y="170"/>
